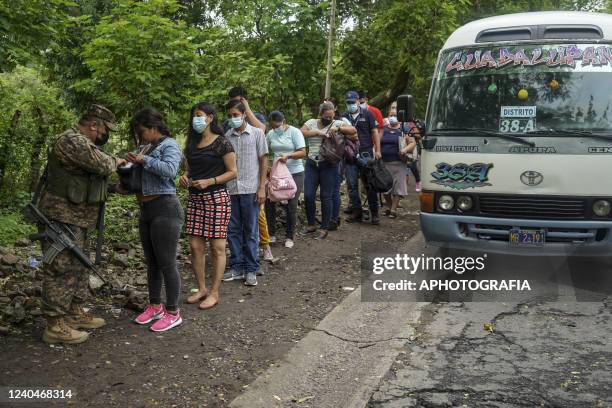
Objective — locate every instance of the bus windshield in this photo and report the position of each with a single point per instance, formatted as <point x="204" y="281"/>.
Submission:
<point x="524" y="89"/>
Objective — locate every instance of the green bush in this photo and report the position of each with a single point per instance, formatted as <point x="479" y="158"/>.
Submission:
<point x="13" y="227"/>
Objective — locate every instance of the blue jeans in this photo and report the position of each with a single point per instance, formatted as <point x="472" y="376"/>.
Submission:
<point x="323" y="174"/>
<point x="352" y="184"/>
<point x="353" y="174"/>
<point x="336" y="200"/>
<point x="243" y="233"/>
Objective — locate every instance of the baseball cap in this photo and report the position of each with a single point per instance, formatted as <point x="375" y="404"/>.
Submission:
<point x="104" y="114"/>
<point x="352" y="96"/>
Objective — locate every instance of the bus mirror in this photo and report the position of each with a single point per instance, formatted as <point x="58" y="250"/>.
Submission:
<point x="405" y="108"/>
<point x="428" y="143"/>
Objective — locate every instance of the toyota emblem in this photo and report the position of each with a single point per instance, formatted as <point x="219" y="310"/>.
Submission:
<point x="531" y="178"/>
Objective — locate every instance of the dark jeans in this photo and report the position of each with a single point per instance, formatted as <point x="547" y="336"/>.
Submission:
<point x="337" y="200"/>
<point x="322" y="174"/>
<point x="353" y="174"/>
<point x="160" y="226"/>
<point x="290" y="208"/>
<point x="415" y="170"/>
<point x="243" y="233"/>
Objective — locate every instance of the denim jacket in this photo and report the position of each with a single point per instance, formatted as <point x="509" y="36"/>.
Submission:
<point x="160" y="167"/>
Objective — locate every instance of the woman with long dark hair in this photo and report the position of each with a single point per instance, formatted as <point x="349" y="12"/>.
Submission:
<point x="161" y="217"/>
<point x="211" y="162"/>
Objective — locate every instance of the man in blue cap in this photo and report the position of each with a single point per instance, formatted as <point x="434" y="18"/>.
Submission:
<point x="369" y="148"/>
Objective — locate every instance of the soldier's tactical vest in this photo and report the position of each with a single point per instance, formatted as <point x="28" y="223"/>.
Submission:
<point x="78" y="187"/>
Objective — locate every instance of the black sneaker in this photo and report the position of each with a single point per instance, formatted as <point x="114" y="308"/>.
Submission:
<point x="375" y="219"/>
<point x="333" y="225"/>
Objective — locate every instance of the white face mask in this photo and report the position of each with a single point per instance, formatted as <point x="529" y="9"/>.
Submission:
<point x="236" y="122"/>
<point x="363" y="105"/>
<point x="199" y="123"/>
<point x="393" y="120"/>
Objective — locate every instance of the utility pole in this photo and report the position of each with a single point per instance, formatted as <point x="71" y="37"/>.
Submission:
<point x="330" y="48"/>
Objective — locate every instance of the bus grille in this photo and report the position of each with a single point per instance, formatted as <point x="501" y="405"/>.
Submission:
<point x="532" y="207"/>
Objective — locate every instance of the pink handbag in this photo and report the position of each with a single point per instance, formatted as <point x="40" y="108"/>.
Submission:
<point x="281" y="187"/>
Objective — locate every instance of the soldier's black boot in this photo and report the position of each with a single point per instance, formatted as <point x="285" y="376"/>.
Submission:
<point x="57" y="331"/>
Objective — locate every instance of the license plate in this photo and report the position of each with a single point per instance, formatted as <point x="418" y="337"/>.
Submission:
<point x="526" y="237"/>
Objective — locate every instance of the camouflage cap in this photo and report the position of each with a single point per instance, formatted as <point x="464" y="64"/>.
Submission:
<point x="103" y="114"/>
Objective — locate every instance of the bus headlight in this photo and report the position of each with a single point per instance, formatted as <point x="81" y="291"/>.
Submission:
<point x="464" y="203"/>
<point x="601" y="208"/>
<point x="446" y="202"/>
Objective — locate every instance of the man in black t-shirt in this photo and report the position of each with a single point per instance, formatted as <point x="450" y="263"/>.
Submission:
<point x="369" y="147"/>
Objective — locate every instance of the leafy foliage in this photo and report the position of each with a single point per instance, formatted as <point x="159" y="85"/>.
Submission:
<point x="31" y="113"/>
<point x="13" y="227"/>
<point x="28" y="27"/>
<point x="139" y="56"/>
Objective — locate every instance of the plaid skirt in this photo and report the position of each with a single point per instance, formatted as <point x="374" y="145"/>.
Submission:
<point x="208" y="214"/>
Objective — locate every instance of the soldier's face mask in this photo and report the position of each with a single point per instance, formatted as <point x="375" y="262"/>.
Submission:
<point x="102" y="139"/>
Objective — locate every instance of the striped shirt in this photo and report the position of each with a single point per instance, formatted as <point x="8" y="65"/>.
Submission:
<point x="249" y="146"/>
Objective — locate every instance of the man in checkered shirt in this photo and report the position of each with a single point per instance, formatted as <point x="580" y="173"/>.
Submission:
<point x="247" y="192"/>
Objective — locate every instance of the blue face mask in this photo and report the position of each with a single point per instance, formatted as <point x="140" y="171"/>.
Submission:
<point x="199" y="123"/>
<point x="236" y="122"/>
<point x="279" y="131"/>
<point x="352" y="107"/>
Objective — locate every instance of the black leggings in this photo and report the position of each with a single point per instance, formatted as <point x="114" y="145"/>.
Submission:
<point x="160" y="226"/>
<point x="414" y="168"/>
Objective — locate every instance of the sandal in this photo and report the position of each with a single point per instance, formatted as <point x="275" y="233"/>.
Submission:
<point x="191" y="300"/>
<point x="323" y="235"/>
<point x="392" y="214"/>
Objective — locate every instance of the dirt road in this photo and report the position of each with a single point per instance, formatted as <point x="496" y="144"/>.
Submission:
<point x="214" y="355"/>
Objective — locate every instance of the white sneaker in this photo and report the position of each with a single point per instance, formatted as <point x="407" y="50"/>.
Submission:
<point x="273" y="239"/>
<point x="289" y="243"/>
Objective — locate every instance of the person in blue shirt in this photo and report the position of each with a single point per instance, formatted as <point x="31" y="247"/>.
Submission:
<point x="286" y="143"/>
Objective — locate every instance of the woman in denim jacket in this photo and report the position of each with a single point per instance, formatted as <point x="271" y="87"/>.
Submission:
<point x="161" y="217"/>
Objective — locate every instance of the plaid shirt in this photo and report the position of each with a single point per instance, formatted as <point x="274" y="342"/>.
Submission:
<point x="249" y="146"/>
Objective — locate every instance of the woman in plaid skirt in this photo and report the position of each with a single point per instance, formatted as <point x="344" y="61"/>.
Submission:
<point x="211" y="162"/>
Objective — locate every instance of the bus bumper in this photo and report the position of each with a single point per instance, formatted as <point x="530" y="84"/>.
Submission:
<point x="574" y="238"/>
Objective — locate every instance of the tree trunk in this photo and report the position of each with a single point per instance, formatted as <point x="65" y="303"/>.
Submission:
<point x="37" y="146"/>
<point x="5" y="150"/>
<point x="400" y="83"/>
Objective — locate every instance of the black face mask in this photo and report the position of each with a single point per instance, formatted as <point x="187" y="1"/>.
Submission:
<point x="326" y="122"/>
<point x="101" y="141"/>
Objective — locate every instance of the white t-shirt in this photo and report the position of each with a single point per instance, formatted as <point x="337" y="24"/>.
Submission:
<point x="314" y="143"/>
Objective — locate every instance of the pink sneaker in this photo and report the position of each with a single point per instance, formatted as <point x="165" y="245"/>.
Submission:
<point x="417" y="188"/>
<point x="150" y="313"/>
<point x="167" y="321"/>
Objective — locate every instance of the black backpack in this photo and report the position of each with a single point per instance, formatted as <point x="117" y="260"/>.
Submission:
<point x="377" y="177"/>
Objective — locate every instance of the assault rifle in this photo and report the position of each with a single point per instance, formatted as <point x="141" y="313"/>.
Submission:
<point x="59" y="237"/>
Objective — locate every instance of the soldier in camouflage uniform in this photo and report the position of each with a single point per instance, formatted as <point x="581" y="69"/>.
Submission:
<point x="75" y="187"/>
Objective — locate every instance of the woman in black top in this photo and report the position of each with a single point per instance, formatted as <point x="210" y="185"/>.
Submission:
<point x="211" y="162"/>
